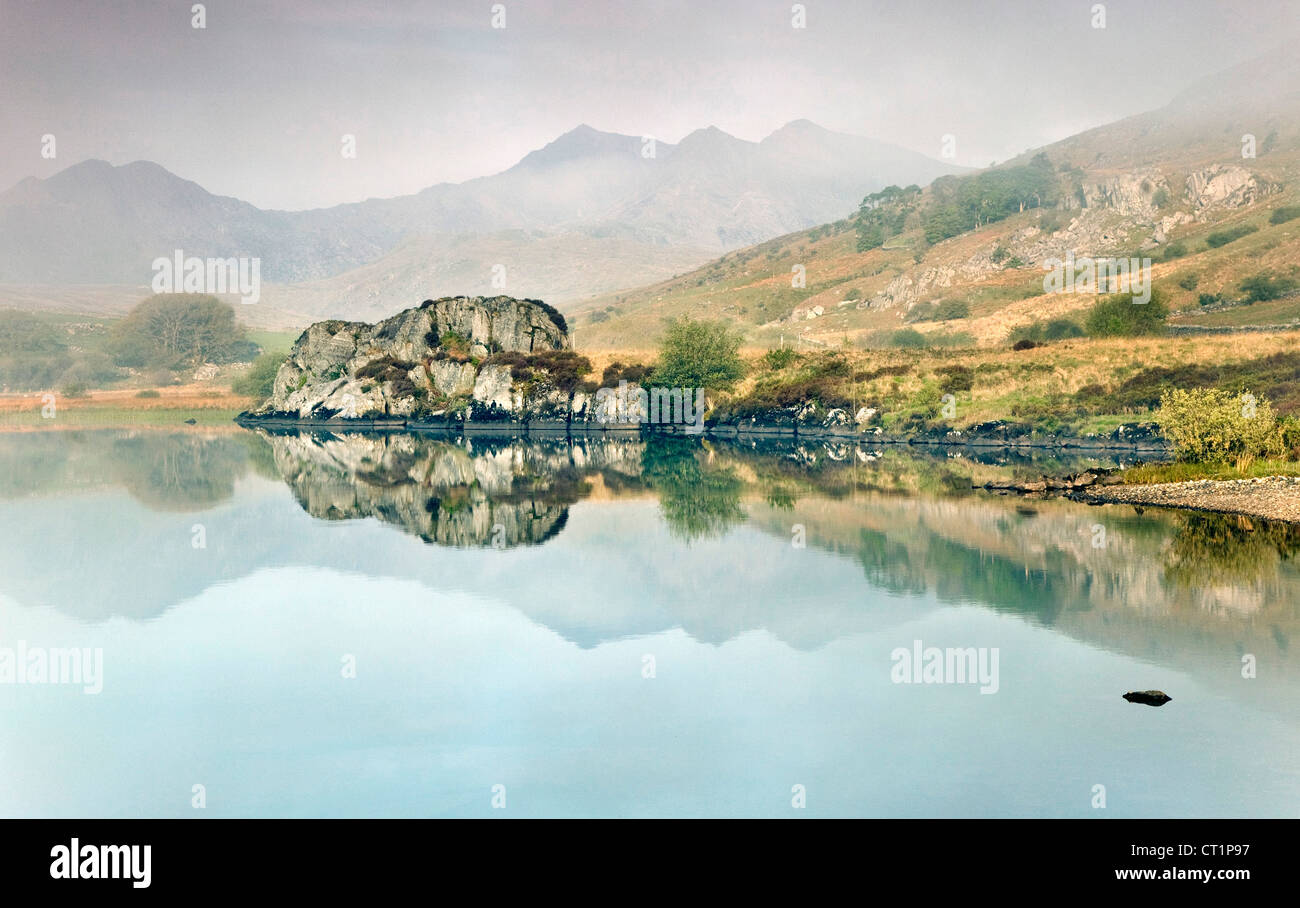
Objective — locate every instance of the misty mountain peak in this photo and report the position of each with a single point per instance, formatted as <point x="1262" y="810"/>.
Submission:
<point x="581" y="142"/>
<point x="800" y="127"/>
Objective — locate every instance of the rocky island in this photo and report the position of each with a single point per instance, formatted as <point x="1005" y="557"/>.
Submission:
<point x="461" y="359"/>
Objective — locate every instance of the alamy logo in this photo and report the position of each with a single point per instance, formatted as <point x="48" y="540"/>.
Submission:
<point x="1087" y="275"/>
<point x="179" y="274"/>
<point x="932" y="665"/>
<point x="103" y="862"/>
<point x="39" y="665"/>
<point x="658" y="406"/>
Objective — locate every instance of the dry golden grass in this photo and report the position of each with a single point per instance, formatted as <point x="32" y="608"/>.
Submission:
<point x="181" y="397"/>
<point x="212" y="409"/>
<point x="1064" y="367"/>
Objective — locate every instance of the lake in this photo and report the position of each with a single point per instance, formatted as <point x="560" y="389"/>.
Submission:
<point x="321" y="625"/>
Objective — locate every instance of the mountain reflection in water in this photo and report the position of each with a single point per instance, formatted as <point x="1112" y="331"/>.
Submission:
<point x="501" y="595"/>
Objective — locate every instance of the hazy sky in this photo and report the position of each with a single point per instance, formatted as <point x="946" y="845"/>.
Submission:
<point x="255" y="105"/>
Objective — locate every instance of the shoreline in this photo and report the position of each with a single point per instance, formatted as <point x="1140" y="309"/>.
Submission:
<point x="1268" y="498"/>
<point x="744" y="431"/>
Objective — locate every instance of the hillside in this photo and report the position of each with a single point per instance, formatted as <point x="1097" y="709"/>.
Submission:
<point x="1164" y="185"/>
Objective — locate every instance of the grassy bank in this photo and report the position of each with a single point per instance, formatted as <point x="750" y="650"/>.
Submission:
<point x="1147" y="474"/>
<point x="1076" y="386"/>
<point x="120" y="408"/>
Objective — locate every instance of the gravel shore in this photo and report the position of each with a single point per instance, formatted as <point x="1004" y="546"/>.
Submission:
<point x="1274" y="498"/>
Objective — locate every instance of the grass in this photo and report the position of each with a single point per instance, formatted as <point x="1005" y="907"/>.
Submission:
<point x="1270" y="312"/>
<point x="1079" y="386"/>
<point x="1183" y="472"/>
<point x="123" y="408"/>
<point x="277" y="342"/>
<point x="116" y="417"/>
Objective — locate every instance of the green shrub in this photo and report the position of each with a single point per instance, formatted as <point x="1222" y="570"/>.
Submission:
<point x="1224" y="237"/>
<point x="1119" y="316"/>
<point x="89" y="369"/>
<point x="1209" y="425"/>
<point x="1050" y="330"/>
<point x="1266" y="286"/>
<point x="955" y="379"/>
<point x="775" y="360"/>
<point x="147" y="392"/>
<point x="951" y="309"/>
<point x="259" y="380"/>
<point x="1189" y="281"/>
<point x="453" y="342"/>
<point x="907" y="339"/>
<point x="1284" y="214"/>
<point x="941" y="311"/>
<point x="617" y="371"/>
<point x="1173" y="251"/>
<point x="825" y="378"/>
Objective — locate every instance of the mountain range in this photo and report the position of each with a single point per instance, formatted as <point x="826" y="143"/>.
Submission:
<point x="590" y="212"/>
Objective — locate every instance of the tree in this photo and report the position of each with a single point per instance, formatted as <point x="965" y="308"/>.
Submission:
<point x="699" y="354"/>
<point x="177" y="330"/>
<point x="36" y="352"/>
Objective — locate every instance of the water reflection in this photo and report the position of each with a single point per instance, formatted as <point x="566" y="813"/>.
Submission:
<point x="503" y="494"/>
<point x="1160" y="583"/>
<point x="501" y="595"/>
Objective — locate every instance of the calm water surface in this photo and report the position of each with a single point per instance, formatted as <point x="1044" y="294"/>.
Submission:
<point x="615" y="628"/>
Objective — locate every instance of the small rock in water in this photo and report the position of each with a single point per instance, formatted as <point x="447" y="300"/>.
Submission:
<point x="191" y="421"/>
<point x="1149" y="697"/>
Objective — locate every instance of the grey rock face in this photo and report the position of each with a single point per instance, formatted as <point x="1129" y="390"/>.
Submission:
<point x="1223" y="186"/>
<point x="413" y="362"/>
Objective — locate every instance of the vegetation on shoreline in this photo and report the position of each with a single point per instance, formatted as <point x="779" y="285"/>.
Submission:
<point x="1077" y="386"/>
<point x="1181" y="471"/>
<point x="159" y="343"/>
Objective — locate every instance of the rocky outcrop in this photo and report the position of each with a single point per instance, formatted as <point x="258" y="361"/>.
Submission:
<point x="1223" y="186"/>
<point x="447" y="355"/>
<point x="1113" y="215"/>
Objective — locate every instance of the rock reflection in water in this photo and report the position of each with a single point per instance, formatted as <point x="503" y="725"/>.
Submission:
<point x="464" y="493"/>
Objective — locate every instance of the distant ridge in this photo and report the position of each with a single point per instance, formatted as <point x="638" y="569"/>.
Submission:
<point x="599" y="194"/>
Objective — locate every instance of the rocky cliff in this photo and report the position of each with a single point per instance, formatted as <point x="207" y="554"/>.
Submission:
<point x="486" y="357"/>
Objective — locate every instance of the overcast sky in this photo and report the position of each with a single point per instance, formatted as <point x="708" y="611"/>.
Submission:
<point x="255" y="105"/>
